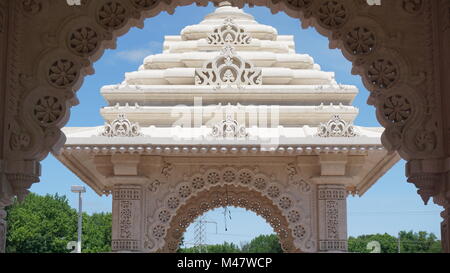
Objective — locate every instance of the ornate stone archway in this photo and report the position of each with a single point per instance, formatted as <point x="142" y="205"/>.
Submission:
<point x="236" y="196"/>
<point x="400" y="49"/>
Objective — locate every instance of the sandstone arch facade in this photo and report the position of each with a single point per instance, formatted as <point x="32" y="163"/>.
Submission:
<point x="399" y="48"/>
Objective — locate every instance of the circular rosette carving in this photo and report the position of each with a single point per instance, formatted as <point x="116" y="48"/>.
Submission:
<point x="229" y="175"/>
<point x="382" y="73"/>
<point x="397" y="109"/>
<point x="164" y="216"/>
<point x="285" y="202"/>
<point x="62" y="73"/>
<point x="245" y="176"/>
<point x="197" y="181"/>
<point x="360" y="41"/>
<point x="48" y="110"/>
<point x="173" y="202"/>
<point x="273" y="191"/>
<point x="83" y="41"/>
<point x="213" y="177"/>
<point x="332" y="14"/>
<point x="260" y="182"/>
<point x="112" y="15"/>
<point x="184" y="190"/>
<point x="294" y="216"/>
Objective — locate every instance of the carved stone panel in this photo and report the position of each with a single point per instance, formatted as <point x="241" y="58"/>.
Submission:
<point x="126" y="218"/>
<point x="332" y="218"/>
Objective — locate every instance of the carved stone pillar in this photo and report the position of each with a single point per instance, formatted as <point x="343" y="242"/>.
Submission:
<point x="432" y="179"/>
<point x="445" y="230"/>
<point x="332" y="217"/>
<point x="127" y="218"/>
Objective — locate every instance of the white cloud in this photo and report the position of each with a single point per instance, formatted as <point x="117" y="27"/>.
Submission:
<point x="134" y="55"/>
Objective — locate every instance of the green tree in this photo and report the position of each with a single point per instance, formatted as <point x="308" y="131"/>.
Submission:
<point x="219" y="248"/>
<point x="45" y="224"/>
<point x="410" y="242"/>
<point x="40" y="224"/>
<point x="263" y="244"/>
<point x="97" y="233"/>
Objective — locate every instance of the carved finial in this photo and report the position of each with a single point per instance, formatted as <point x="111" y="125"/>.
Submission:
<point x="229" y="128"/>
<point x="121" y="127"/>
<point x="337" y="127"/>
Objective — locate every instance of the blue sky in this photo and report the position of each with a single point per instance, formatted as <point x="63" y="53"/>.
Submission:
<point x="389" y="206"/>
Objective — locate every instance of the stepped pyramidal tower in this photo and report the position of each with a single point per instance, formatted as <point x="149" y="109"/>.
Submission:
<point x="228" y="115"/>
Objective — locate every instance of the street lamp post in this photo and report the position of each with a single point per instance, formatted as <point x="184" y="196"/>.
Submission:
<point x="79" y="190"/>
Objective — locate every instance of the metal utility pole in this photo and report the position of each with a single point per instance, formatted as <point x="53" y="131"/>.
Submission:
<point x="79" y="190"/>
<point x="398" y="243"/>
<point x="200" y="232"/>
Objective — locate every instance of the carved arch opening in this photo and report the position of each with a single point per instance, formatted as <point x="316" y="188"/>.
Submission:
<point x="286" y="205"/>
<point x="235" y="196"/>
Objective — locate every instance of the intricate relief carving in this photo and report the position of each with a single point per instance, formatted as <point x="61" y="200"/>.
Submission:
<point x="62" y="73"/>
<point x="48" y="110"/>
<point x="118" y="245"/>
<point x="228" y="33"/>
<point x="167" y="169"/>
<point x="19" y="141"/>
<point x="125" y="219"/>
<point x="225" y="178"/>
<point x="121" y="127"/>
<point x="292" y="170"/>
<point x="382" y="74"/>
<point x="145" y="4"/>
<point x="337" y="127"/>
<point x="332" y="223"/>
<point x="360" y="41"/>
<point x="228" y="69"/>
<point x="83" y="41"/>
<point x="412" y="6"/>
<point x="397" y="109"/>
<point x="229" y="128"/>
<point x="31" y="6"/>
<point x="238" y="197"/>
<point x="154" y="185"/>
<point x="332" y="14"/>
<point x="425" y="141"/>
<point x="111" y="15"/>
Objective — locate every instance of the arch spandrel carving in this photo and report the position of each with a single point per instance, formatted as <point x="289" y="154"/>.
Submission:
<point x="237" y="196"/>
<point x="170" y="209"/>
